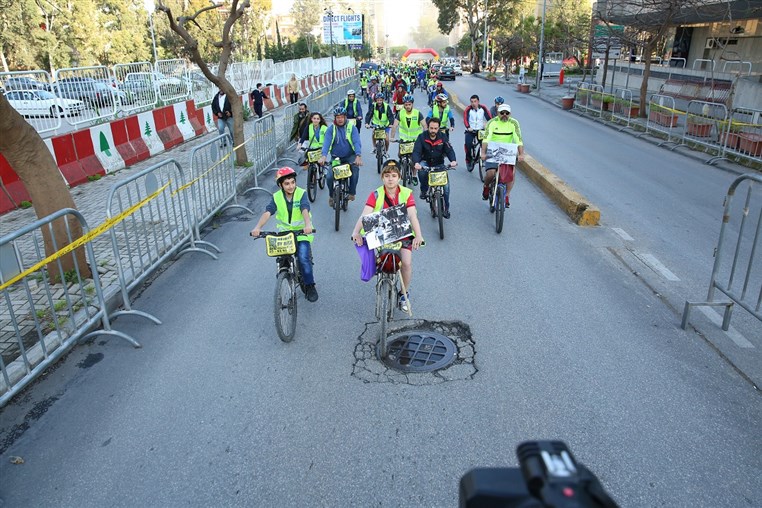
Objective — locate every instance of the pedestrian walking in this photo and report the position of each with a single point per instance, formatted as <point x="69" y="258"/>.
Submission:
<point x="293" y="89"/>
<point x="258" y="96"/>
<point x="223" y="114"/>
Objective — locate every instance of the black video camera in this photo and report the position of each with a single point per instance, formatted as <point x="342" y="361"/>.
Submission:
<point x="548" y="476"/>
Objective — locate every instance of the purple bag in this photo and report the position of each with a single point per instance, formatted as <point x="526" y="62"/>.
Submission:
<point x="368" y="260"/>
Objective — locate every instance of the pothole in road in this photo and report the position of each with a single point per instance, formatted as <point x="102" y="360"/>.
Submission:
<point x="369" y="369"/>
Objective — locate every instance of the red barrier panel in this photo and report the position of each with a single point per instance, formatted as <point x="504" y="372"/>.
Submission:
<point x="278" y="95"/>
<point x="136" y="139"/>
<point x="303" y="87"/>
<point x="196" y="120"/>
<point x="166" y="127"/>
<point x="311" y="84"/>
<point x="83" y="145"/>
<point x="13" y="191"/>
<point x="68" y="163"/>
<point x="122" y="142"/>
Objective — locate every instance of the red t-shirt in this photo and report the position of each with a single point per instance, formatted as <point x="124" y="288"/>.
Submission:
<point x="394" y="199"/>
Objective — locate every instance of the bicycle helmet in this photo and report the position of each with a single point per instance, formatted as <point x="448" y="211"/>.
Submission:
<point x="408" y="98"/>
<point x="284" y="173"/>
<point x="340" y="111"/>
<point x="499" y="100"/>
<point x="379" y="95"/>
<point x="351" y="92"/>
<point x="441" y="97"/>
<point x="439" y="83"/>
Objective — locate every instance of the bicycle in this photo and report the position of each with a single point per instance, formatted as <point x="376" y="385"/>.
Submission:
<point x="379" y="138"/>
<point x="437" y="176"/>
<point x="341" y="175"/>
<point x="406" y="161"/>
<point x="476" y="146"/>
<point x="282" y="246"/>
<point x="315" y="174"/>
<point x="497" y="193"/>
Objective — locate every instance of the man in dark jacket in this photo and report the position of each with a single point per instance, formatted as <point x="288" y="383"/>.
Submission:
<point x="258" y="96"/>
<point x="223" y="114"/>
<point x="301" y="118"/>
<point x="430" y="150"/>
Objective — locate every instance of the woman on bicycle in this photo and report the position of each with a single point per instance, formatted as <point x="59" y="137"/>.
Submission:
<point x="282" y="207"/>
<point x="314" y="132"/>
<point x="391" y="193"/>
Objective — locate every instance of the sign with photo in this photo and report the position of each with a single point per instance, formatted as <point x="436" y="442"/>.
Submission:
<point x="502" y="153"/>
<point x="344" y="28"/>
<point x="386" y="226"/>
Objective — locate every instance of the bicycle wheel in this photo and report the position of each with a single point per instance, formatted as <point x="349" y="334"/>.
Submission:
<point x="407" y="174"/>
<point x="321" y="177"/>
<point x="338" y="197"/>
<point x="384" y="306"/>
<point x="481" y="169"/>
<point x="473" y="159"/>
<point x="433" y="205"/>
<point x="312" y="183"/>
<point x="345" y="195"/>
<point x="379" y="156"/>
<point x="440" y="215"/>
<point x="499" y="208"/>
<point x="285" y="306"/>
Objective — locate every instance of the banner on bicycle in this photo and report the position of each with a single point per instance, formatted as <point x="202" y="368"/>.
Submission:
<point x="502" y="153"/>
<point x="387" y="226"/>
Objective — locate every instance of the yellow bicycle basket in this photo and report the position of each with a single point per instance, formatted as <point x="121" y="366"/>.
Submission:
<point x="480" y="134"/>
<point x="313" y="155"/>
<point x="406" y="147"/>
<point x="280" y="245"/>
<point x="342" y="171"/>
<point x="437" y="178"/>
<point x="379" y="133"/>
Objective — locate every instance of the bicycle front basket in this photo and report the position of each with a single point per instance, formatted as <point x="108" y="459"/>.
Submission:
<point x="313" y="155"/>
<point x="406" y="148"/>
<point x="342" y="171"/>
<point x="480" y="134"/>
<point x="437" y="178"/>
<point x="379" y="133"/>
<point x="280" y="245"/>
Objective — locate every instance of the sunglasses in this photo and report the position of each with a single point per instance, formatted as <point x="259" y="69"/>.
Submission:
<point x="504" y="113"/>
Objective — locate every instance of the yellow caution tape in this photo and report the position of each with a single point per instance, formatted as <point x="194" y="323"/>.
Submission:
<point x="93" y="233"/>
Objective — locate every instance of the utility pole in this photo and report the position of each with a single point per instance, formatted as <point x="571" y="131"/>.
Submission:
<point x="484" y="37"/>
<point x="542" y="42"/>
<point x="330" y="34"/>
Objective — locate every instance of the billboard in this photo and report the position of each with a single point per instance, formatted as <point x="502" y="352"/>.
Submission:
<point x="345" y="28"/>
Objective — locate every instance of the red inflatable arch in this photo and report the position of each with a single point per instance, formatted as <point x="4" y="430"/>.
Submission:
<point x="413" y="51"/>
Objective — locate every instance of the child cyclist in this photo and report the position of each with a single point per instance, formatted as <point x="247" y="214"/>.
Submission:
<point x="391" y="193"/>
<point x="282" y="207"/>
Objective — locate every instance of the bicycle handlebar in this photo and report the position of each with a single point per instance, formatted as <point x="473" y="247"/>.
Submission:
<point x="263" y="234"/>
<point x="439" y="167"/>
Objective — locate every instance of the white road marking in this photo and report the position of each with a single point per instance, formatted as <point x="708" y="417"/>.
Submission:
<point x="732" y="333"/>
<point x="621" y="232"/>
<point x="656" y="266"/>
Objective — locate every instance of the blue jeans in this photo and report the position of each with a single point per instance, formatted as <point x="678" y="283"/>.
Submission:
<point x="352" y="179"/>
<point x="423" y="178"/>
<point x="225" y="123"/>
<point x="303" y="255"/>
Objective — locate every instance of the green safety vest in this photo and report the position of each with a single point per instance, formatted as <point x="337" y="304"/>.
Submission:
<point x="382" y="120"/>
<point x="317" y="141"/>
<point x="444" y="117"/>
<point x="296" y="221"/>
<point x="354" y="105"/>
<point x="363" y="82"/>
<point x="348" y="130"/>
<point x="410" y="127"/>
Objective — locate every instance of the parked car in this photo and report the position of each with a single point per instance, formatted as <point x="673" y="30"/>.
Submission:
<point x="142" y="82"/>
<point x="93" y="93"/>
<point x="121" y="96"/>
<point x="25" y="83"/>
<point x="446" y="72"/>
<point x="43" y="103"/>
<point x="458" y="69"/>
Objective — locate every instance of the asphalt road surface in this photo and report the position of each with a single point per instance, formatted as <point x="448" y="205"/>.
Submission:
<point x="571" y="342"/>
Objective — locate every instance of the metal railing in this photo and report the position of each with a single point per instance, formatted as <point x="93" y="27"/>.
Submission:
<point x="703" y="121"/>
<point x="737" y="272"/>
<point x="663" y="117"/>
<point x="47" y="310"/>
<point x="29" y="92"/>
<point x="623" y="106"/>
<point x="741" y="136"/>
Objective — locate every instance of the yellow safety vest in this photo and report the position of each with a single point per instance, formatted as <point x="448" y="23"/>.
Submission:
<point x="410" y="127"/>
<point x="296" y="221"/>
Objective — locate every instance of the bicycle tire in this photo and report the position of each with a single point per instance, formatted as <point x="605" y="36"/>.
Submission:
<point x="473" y="159"/>
<point x="379" y="156"/>
<point x="338" y="197"/>
<point x="481" y="169"/>
<point x="440" y="215"/>
<point x="285" y="323"/>
<point x="312" y="183"/>
<point x="321" y="178"/>
<point x="433" y="205"/>
<point x="384" y="296"/>
<point x="345" y="196"/>
<point x="500" y="209"/>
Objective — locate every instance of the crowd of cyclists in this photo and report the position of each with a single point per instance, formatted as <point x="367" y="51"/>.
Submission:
<point x="391" y="105"/>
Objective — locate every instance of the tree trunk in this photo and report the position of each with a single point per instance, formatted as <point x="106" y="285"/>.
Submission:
<point x="27" y="154"/>
<point x="2" y="58"/>
<point x="647" y="50"/>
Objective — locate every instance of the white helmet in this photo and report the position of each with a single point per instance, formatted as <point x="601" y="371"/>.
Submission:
<point x="351" y="92"/>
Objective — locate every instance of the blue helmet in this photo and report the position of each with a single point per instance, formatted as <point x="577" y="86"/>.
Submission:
<point x="499" y="100"/>
<point x="379" y="95"/>
<point x="408" y="98"/>
<point x="340" y="111"/>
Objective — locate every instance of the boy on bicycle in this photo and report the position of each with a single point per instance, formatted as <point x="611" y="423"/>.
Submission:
<point x="391" y="193"/>
<point x="282" y="207"/>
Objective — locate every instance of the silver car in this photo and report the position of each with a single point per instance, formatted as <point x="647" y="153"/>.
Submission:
<point x="43" y="103"/>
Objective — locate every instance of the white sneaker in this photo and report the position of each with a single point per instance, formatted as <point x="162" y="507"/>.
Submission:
<point x="403" y="302"/>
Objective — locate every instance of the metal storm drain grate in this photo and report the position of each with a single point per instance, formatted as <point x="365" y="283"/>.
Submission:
<point x="419" y="351"/>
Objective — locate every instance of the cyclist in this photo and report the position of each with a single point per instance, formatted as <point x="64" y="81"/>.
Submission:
<point x="363" y="84"/>
<point x="282" y="207"/>
<point x="381" y="115"/>
<point x="391" y="193"/>
<point x="432" y="147"/>
<point x="373" y="89"/>
<point x="420" y="76"/>
<point x="475" y="118"/>
<point x="493" y="113"/>
<point x="313" y="134"/>
<point x="410" y="123"/>
<point x="501" y="130"/>
<point x="442" y="111"/>
<point x="354" y="110"/>
<point x="398" y="98"/>
<point x="438" y="90"/>
<point x="342" y="143"/>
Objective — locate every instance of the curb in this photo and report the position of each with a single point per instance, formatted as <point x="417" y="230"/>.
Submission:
<point x="574" y="204"/>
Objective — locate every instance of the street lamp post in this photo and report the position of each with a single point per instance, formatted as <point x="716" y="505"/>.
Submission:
<point x="542" y="42"/>
<point x="153" y="38"/>
<point x="387" y="47"/>
<point x="330" y="34"/>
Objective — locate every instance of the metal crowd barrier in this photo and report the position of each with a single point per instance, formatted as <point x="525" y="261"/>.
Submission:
<point x="171" y="80"/>
<point x="703" y="121"/>
<point x="92" y="86"/>
<point x="30" y="93"/>
<point x="43" y="318"/>
<point x="138" y="82"/>
<point x="663" y="117"/>
<point x="624" y="108"/>
<point x="213" y="181"/>
<point x="160" y="229"/>
<point x="742" y="135"/>
<point x="737" y="272"/>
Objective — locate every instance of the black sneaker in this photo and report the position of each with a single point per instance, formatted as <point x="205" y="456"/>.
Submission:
<point x="312" y="294"/>
<point x="446" y="214"/>
<point x="422" y="196"/>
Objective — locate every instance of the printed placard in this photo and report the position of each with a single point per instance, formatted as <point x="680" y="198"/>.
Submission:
<point x="502" y="153"/>
<point x="284" y="245"/>
<point x="387" y="226"/>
